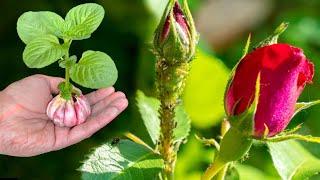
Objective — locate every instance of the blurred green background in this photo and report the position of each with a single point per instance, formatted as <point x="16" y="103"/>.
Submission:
<point x="126" y="35"/>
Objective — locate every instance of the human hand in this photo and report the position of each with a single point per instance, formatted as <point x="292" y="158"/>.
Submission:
<point x="25" y="129"/>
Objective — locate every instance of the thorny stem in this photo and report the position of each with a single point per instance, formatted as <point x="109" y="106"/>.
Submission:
<point x="167" y="148"/>
<point x="171" y="76"/>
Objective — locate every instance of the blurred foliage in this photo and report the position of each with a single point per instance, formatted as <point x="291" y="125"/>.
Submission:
<point x="193" y="159"/>
<point x="126" y="35"/>
<point x="204" y="90"/>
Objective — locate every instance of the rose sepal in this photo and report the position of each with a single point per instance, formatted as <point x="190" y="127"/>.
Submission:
<point x="233" y="147"/>
<point x="237" y="141"/>
<point x="273" y="38"/>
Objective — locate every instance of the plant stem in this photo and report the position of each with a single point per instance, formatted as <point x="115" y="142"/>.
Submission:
<point x="213" y="170"/>
<point x="225" y="126"/>
<point x="171" y="77"/>
<point x="307" y="138"/>
<point x="67" y="75"/>
<point x="218" y="168"/>
<point x="222" y="174"/>
<point x="166" y="139"/>
<point x="67" y="44"/>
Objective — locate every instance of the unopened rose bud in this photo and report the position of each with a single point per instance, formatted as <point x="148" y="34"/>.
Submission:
<point x="283" y="72"/>
<point x="68" y="113"/>
<point x="176" y="37"/>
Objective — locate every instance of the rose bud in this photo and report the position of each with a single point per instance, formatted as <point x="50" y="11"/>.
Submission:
<point x="176" y="37"/>
<point x="68" y="113"/>
<point x="283" y="72"/>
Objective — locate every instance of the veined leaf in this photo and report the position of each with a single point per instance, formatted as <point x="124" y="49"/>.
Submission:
<point x="123" y="160"/>
<point x="31" y="25"/>
<point x="83" y="20"/>
<point x="94" y="70"/>
<point x="149" y="107"/>
<point x="292" y="161"/>
<point x="43" y="51"/>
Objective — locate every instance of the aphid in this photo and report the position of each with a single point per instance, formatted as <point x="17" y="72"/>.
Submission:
<point x="115" y="141"/>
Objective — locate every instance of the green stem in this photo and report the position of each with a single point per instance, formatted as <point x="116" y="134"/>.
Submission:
<point x="225" y="126"/>
<point x="66" y="87"/>
<point x="213" y="170"/>
<point x="308" y="138"/>
<point x="223" y="172"/>
<point x="67" y="75"/>
<point x="171" y="79"/>
<point x="67" y="44"/>
<point x="166" y="139"/>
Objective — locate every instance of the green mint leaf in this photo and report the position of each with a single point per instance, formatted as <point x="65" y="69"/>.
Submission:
<point x="292" y="161"/>
<point x="149" y="107"/>
<point x="43" y="51"/>
<point x="122" y="160"/>
<point x="83" y="20"/>
<point x="31" y="25"/>
<point x="94" y="70"/>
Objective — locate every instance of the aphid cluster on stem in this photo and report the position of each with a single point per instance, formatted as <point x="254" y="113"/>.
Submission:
<point x="174" y="44"/>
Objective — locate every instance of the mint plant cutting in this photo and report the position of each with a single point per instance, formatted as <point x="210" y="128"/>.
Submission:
<point x="48" y="38"/>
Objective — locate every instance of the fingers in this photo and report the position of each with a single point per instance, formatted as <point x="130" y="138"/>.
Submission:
<point x="95" y="123"/>
<point x="52" y="82"/>
<point x="99" y="95"/>
<point x="107" y="101"/>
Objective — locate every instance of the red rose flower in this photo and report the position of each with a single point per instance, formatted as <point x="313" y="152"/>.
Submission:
<point x="284" y="72"/>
